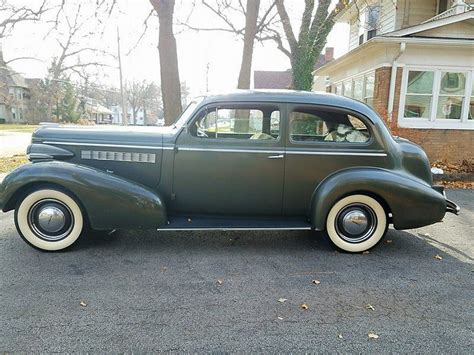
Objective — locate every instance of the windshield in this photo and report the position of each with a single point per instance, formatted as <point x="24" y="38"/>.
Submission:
<point x="186" y="114"/>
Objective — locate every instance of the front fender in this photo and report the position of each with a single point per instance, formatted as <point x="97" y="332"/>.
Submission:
<point x="110" y="201"/>
<point x="412" y="202"/>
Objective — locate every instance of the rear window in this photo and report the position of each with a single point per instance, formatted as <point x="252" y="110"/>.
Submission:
<point x="315" y="125"/>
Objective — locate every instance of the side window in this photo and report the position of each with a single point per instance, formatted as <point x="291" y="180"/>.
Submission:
<point x="257" y="122"/>
<point x="314" y="125"/>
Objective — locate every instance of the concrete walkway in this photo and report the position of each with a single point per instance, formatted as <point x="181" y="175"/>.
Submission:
<point x="13" y="143"/>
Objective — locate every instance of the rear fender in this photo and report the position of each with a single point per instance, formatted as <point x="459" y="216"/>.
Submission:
<point x="110" y="201"/>
<point x="412" y="202"/>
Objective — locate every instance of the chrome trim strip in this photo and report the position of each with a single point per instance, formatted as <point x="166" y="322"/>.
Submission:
<point x="300" y="152"/>
<point x="128" y="157"/>
<point x="104" y="145"/>
<point x="295" y="152"/>
<point x="226" y="150"/>
<point x="234" y="229"/>
<point x="222" y="150"/>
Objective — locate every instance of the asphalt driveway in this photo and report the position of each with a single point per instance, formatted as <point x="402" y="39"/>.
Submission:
<point x="200" y="291"/>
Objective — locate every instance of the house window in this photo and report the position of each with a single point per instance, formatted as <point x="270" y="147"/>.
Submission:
<point x="360" y="88"/>
<point x="369" y="88"/>
<point x="347" y="87"/>
<point x="435" y="98"/>
<point x="419" y="94"/>
<point x="471" y="102"/>
<point x="451" y="95"/>
<point x="358" y="92"/>
<point x="368" y="23"/>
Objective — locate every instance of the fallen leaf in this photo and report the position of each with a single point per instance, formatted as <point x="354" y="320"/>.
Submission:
<point x="220" y="282"/>
<point x="369" y="306"/>
<point x="438" y="257"/>
<point x="282" y="300"/>
<point x="366" y="252"/>
<point x="304" y="306"/>
<point x="372" y="335"/>
<point x="388" y="241"/>
<point x="316" y="282"/>
<point x="83" y="304"/>
<point x="340" y="336"/>
<point x="280" y="318"/>
<point x="164" y="268"/>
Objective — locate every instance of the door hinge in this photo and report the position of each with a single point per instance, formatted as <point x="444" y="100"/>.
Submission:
<point x="176" y="149"/>
<point x="173" y="196"/>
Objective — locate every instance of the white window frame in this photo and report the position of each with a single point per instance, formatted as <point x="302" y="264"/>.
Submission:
<point x="362" y="75"/>
<point x="432" y="122"/>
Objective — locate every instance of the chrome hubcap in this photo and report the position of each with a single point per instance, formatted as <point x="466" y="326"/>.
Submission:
<point x="356" y="223"/>
<point x="50" y="220"/>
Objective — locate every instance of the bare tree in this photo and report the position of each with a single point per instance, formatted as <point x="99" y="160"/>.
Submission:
<point x="304" y="51"/>
<point x="11" y="15"/>
<point x="254" y="27"/>
<point x="145" y="96"/>
<point x="71" y="35"/>
<point x="170" y="83"/>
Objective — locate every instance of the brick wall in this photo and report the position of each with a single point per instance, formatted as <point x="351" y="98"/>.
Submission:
<point x="440" y="144"/>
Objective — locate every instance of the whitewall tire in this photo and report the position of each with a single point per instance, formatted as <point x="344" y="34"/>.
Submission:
<point x="356" y="223"/>
<point x="49" y="219"/>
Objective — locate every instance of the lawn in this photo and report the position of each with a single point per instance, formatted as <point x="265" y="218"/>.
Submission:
<point x="18" y="127"/>
<point x="10" y="163"/>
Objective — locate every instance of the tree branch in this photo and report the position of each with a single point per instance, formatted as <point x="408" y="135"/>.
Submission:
<point x="285" y="20"/>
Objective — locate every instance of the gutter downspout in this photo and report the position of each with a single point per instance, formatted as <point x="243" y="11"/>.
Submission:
<point x="393" y="80"/>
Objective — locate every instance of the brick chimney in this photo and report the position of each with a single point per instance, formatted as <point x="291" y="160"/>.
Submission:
<point x="329" y="54"/>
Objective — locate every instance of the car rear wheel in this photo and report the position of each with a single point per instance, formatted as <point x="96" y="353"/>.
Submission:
<point x="356" y="223"/>
<point x="49" y="219"/>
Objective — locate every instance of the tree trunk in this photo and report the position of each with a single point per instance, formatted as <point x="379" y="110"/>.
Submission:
<point x="249" y="37"/>
<point x="251" y="17"/>
<point x="302" y="68"/>
<point x="170" y="83"/>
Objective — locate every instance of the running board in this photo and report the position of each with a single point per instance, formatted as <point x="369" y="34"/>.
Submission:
<point x="180" y="223"/>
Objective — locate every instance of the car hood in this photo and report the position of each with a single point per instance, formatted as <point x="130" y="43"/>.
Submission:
<point x="101" y="135"/>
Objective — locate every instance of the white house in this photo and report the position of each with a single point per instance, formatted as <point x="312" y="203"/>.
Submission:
<point x="117" y="116"/>
<point x="413" y="61"/>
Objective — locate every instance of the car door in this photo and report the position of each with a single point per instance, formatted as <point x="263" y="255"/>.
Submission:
<point x="320" y="141"/>
<point x="230" y="161"/>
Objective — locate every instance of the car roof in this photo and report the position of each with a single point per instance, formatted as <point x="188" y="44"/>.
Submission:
<point x="290" y="96"/>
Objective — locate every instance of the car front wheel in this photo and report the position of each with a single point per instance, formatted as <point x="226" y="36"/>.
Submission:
<point x="49" y="219"/>
<point x="356" y="223"/>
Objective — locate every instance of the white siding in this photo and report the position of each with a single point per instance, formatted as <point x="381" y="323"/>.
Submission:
<point x="354" y="34"/>
<point x="412" y="13"/>
<point x="456" y="30"/>
<point x="387" y="16"/>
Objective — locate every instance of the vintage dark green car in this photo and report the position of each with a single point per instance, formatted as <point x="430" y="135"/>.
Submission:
<point x="249" y="160"/>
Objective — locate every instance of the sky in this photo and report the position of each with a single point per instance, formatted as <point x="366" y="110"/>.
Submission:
<point x="222" y="51"/>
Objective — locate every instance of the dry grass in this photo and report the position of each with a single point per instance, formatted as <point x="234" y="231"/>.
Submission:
<point x="18" y="127"/>
<point x="10" y="163"/>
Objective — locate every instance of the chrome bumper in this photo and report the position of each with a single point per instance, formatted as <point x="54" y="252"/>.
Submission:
<point x="451" y="207"/>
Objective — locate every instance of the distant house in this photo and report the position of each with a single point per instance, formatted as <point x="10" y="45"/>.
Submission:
<point x="270" y="79"/>
<point x="143" y="117"/>
<point x="14" y="94"/>
<point x="413" y="61"/>
<point x="95" y="111"/>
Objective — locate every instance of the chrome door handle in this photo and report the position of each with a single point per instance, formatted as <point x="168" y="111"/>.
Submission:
<point x="280" y="156"/>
